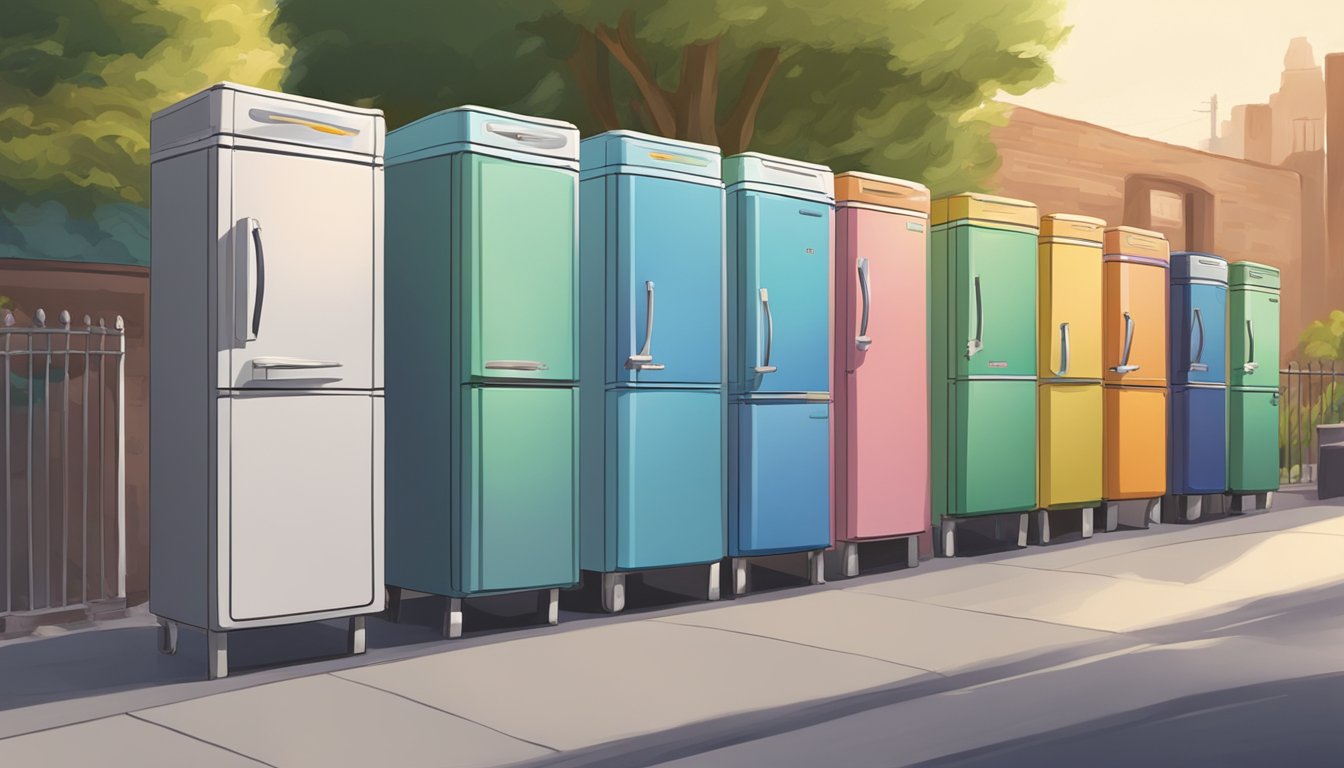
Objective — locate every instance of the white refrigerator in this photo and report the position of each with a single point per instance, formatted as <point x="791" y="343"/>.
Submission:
<point x="266" y="365"/>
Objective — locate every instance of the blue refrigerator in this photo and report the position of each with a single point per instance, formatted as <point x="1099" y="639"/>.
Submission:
<point x="652" y="390"/>
<point x="780" y="242"/>
<point x="1197" y="419"/>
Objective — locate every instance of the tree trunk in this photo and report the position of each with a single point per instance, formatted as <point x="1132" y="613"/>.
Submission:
<point x="698" y="93"/>
<point x="735" y="132"/>
<point x="623" y="47"/>
<point x="591" y="66"/>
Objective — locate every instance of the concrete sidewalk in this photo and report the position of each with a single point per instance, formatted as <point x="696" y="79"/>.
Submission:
<point x="946" y="625"/>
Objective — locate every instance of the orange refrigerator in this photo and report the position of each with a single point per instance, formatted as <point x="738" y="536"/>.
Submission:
<point x="1134" y="379"/>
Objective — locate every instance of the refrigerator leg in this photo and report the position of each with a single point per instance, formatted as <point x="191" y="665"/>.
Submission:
<point x="613" y="592"/>
<point x="452" y="618"/>
<point x="1194" y="507"/>
<point x="167" y="637"/>
<point x="849" y="558"/>
<point x="1023" y="525"/>
<point x="1234" y="506"/>
<point x="911" y="551"/>
<point x="1042" y="526"/>
<point x="548" y="600"/>
<point x="1110" y="517"/>
<point x="1264" y="500"/>
<point x="741" y="576"/>
<point x="713" y="581"/>
<point x="394" y="604"/>
<point x="217" y="654"/>
<point x="1155" y="511"/>
<point x="947" y="537"/>
<point x="1088" y="522"/>
<point x="816" y="567"/>
<point x="355" y="642"/>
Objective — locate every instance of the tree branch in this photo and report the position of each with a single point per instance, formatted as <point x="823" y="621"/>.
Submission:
<point x="735" y="133"/>
<point x="698" y="92"/>
<point x="625" y="49"/>
<point x="590" y="64"/>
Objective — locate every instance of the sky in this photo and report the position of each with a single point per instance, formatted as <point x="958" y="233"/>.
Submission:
<point x="1145" y="66"/>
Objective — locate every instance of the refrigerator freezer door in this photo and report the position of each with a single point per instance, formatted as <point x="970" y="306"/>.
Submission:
<point x="994" y="300"/>
<point x="669" y="282"/>
<point x="1198" y="343"/>
<point x="783" y="259"/>
<point x="519" y="263"/>
<point x="301" y="527"/>
<point x="1253" y="440"/>
<point x="1135" y="324"/>
<point x="1253" y="329"/>
<point x="1070" y="314"/>
<point x="992" y="451"/>
<point x="304" y="271"/>
<point x="665" y="477"/>
<point x="519" y="476"/>
<point x="1198" y="435"/>
<point x="1136" y="442"/>
<point x="1070" y="444"/>
<point x="782" y="493"/>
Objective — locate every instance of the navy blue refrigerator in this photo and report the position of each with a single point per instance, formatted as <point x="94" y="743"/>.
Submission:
<point x="779" y="268"/>
<point x="1197" y="426"/>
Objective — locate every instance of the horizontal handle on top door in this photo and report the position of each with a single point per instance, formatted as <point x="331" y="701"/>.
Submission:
<point x="515" y="365"/>
<point x="520" y="134"/>
<point x="263" y="366"/>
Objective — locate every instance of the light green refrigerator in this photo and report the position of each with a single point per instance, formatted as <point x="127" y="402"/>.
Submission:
<point x="982" y="268"/>
<point x="481" y="368"/>
<point x="1253" y="393"/>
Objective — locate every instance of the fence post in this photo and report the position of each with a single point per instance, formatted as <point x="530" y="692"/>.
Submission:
<point x="121" y="457"/>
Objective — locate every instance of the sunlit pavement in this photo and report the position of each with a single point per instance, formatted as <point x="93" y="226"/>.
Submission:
<point x="1089" y="652"/>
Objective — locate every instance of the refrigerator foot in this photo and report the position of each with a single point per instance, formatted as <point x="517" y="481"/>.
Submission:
<point x="1042" y="526"/>
<point x="911" y="552"/>
<point x="1155" y="511"/>
<point x="713" y="593"/>
<point x="217" y="654"/>
<point x="1023" y="525"/>
<point x="167" y="637"/>
<point x="849" y="559"/>
<point x="548" y="601"/>
<point x="393" y="609"/>
<point x="816" y="567"/>
<point x="741" y="576"/>
<point x="452" y="618"/>
<point x="1088" y="522"/>
<point x="355" y="642"/>
<point x="947" y="538"/>
<point x="613" y="592"/>
<point x="1110" y="517"/>
<point x="1264" y="500"/>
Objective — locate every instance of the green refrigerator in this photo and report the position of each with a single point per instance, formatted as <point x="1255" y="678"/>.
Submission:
<point x="481" y="367"/>
<point x="982" y="268"/>
<point x="1253" y="379"/>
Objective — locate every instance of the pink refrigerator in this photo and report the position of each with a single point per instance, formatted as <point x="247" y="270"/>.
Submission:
<point x="880" y="446"/>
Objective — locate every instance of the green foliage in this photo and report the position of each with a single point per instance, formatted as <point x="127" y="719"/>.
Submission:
<point x="901" y="87"/>
<point x="1323" y="339"/>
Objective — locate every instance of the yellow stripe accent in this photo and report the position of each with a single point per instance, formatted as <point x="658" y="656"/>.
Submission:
<point x="320" y="127"/>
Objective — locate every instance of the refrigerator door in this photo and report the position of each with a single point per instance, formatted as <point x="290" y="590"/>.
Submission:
<point x="665" y="477"/>
<point x="1135" y="324"/>
<point x="783" y="259"/>
<point x="519" y="485"/>
<point x="1070" y="313"/>
<point x="1070" y="444"/>
<point x="669" y="282"/>
<point x="992" y="451"/>
<point x="1198" y="436"/>
<point x="782" y="499"/>
<point x="1198" y="342"/>
<point x="1136" y="442"/>
<point x="1253" y="329"/>
<point x="1253" y="440"/>
<point x="301" y="529"/>
<point x="519" y="264"/>
<point x="306" y="272"/>
<point x="994" y="300"/>
<point x="881" y="440"/>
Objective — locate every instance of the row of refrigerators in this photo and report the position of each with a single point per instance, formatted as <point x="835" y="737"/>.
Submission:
<point x="614" y="355"/>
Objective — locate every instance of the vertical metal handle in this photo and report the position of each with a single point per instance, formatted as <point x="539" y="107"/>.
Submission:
<point x="643" y="361"/>
<point x="1063" y="349"/>
<point x="1250" y="365"/>
<point x="1199" y="323"/>
<point x="863" y="342"/>
<point x="260" y="294"/>
<point x="252" y="279"/>
<point x="765" y="366"/>
<point x="976" y="344"/>
<point x="1124" y="366"/>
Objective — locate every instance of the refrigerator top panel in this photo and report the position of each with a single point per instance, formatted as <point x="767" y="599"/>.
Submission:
<point x="1069" y="226"/>
<point x="224" y="113"/>
<point x="632" y="152"/>
<point x="470" y="128"/>
<point x="766" y="173"/>
<point x="884" y="191"/>
<point x="1131" y="243"/>
<point x="1248" y="274"/>
<point x="983" y="208"/>
<point x="1193" y="265"/>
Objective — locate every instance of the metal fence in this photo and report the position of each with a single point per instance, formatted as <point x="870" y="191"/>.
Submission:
<point x="1311" y="394"/>
<point x="64" y="484"/>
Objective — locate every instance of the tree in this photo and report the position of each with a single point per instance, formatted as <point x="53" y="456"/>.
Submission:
<point x="903" y="87"/>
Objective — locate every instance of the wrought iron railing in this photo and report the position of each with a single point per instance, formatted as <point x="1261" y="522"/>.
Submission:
<point x="1311" y="394"/>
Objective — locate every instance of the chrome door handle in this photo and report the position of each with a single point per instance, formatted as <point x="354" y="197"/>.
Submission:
<point x="255" y="279"/>
<point x="1195" y="364"/>
<point x="863" y="341"/>
<point x="1063" y="349"/>
<point x="976" y="344"/>
<point x="1124" y="366"/>
<point x="1250" y="365"/>
<point x="643" y="361"/>
<point x="765" y="366"/>
<point x="520" y="134"/>
<point x="516" y="365"/>
<point x="263" y="366"/>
